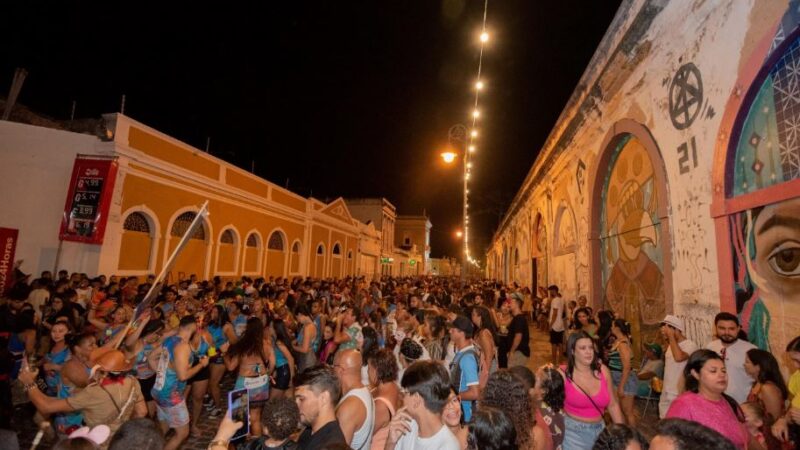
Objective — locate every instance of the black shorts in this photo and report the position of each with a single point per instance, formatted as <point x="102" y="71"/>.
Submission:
<point x="217" y="359"/>
<point x="203" y="375"/>
<point x="556" y="337"/>
<point x="147" y="385"/>
<point x="283" y="376"/>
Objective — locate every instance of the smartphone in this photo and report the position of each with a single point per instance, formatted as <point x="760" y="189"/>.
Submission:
<point x="239" y="411"/>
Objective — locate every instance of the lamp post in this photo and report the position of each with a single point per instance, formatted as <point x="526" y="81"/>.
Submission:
<point x="457" y="138"/>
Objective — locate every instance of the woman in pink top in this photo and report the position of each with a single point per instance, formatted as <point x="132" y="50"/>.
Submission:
<point x="705" y="401"/>
<point x="588" y="393"/>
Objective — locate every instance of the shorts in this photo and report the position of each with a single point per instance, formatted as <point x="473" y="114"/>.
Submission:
<point x="257" y="389"/>
<point x="175" y="416"/>
<point x="556" y="337"/>
<point x="217" y="359"/>
<point x="580" y="435"/>
<point x="147" y="385"/>
<point x="201" y="376"/>
<point x="283" y="376"/>
<point x="631" y="384"/>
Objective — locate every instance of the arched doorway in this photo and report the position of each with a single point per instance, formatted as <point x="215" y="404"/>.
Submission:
<point x="227" y="252"/>
<point x="193" y="259"/>
<point x="630" y="230"/>
<point x="539" y="278"/>
<point x="276" y="254"/>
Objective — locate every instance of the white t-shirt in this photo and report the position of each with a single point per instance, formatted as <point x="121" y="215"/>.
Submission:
<point x="739" y="382"/>
<point x="673" y="371"/>
<point x="557" y="308"/>
<point x="443" y="439"/>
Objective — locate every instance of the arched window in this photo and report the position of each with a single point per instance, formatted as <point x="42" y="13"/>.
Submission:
<point x="252" y="240"/>
<point x="350" y="254"/>
<point x="516" y="256"/>
<point x="337" y="249"/>
<point x="137" y="222"/>
<point x="182" y="224"/>
<point x="275" y="242"/>
<point x="227" y="237"/>
<point x="296" y="247"/>
<point x="320" y="249"/>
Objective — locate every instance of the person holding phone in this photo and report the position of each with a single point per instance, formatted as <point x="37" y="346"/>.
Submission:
<point x="254" y="357"/>
<point x="174" y="368"/>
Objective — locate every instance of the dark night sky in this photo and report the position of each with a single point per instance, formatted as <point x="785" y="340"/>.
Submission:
<point x="349" y="98"/>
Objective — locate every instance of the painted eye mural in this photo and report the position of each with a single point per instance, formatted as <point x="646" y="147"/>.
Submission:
<point x="763" y="193"/>
<point x="630" y="250"/>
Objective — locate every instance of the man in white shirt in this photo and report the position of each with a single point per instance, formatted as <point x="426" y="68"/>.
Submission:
<point x="678" y="350"/>
<point x="734" y="352"/>
<point x="556" y="323"/>
<point x="418" y="424"/>
<point x="355" y="412"/>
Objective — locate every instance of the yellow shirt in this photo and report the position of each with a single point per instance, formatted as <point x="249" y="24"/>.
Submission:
<point x="794" y="388"/>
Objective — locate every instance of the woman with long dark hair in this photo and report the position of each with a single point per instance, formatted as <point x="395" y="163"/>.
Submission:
<point x="506" y="392"/>
<point x="705" y="401"/>
<point x="769" y="390"/>
<point x="484" y="339"/>
<point x="548" y="404"/>
<point x="582" y="321"/>
<point x="368" y="346"/>
<point x="588" y="393"/>
<point x="605" y="338"/>
<point x="284" y="361"/>
<point x="492" y="429"/>
<point x="306" y="345"/>
<point x="221" y="330"/>
<point x="620" y="361"/>
<point x="433" y="332"/>
<point x="253" y="355"/>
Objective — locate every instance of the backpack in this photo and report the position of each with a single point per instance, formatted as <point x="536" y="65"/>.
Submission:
<point x="455" y="366"/>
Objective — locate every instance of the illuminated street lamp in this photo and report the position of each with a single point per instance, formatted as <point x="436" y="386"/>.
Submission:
<point x="448" y="157"/>
<point x="459" y="234"/>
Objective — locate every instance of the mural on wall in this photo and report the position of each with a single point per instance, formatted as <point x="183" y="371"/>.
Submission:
<point x="766" y="233"/>
<point x="630" y="252"/>
<point x="539" y="251"/>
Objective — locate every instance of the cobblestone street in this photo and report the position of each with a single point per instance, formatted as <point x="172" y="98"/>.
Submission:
<point x="541" y="355"/>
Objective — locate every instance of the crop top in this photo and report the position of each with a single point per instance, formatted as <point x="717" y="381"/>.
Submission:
<point x="577" y="403"/>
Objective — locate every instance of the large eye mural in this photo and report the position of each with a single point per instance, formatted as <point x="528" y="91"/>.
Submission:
<point x="630" y="251"/>
<point x="762" y="190"/>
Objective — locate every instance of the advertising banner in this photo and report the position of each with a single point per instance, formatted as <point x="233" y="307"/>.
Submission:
<point x="8" y="246"/>
<point x="88" y="200"/>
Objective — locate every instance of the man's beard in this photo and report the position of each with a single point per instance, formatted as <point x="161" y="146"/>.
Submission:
<point x="728" y="339"/>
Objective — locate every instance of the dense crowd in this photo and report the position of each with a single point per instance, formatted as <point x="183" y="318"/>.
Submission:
<point x="395" y="363"/>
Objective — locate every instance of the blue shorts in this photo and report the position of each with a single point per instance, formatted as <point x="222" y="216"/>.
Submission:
<point x="631" y="384"/>
<point x="257" y="389"/>
<point x="175" y="416"/>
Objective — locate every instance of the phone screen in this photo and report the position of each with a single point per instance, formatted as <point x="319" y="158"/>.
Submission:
<point x="239" y="410"/>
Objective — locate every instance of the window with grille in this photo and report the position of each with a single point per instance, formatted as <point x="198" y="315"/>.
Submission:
<point x="252" y="240"/>
<point x="137" y="222"/>
<point x="182" y="224"/>
<point x="276" y="242"/>
<point x="227" y="237"/>
<point x="337" y="250"/>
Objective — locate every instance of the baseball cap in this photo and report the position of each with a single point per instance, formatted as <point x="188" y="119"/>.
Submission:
<point x="674" y="322"/>
<point x="463" y="324"/>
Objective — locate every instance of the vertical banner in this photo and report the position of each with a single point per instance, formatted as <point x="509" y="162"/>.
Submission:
<point x="88" y="200"/>
<point x="8" y="246"/>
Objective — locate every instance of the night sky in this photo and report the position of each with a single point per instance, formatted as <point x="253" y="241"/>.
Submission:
<point x="349" y="98"/>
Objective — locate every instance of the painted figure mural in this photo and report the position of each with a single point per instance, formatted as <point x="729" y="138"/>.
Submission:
<point x="766" y="225"/>
<point x="631" y="258"/>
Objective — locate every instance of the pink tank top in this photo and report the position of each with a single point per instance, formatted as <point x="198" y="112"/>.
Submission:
<point x="577" y="403"/>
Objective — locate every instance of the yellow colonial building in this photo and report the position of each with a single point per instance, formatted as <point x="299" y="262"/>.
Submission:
<point x="253" y="227"/>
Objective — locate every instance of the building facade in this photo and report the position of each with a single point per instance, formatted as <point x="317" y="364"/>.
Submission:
<point x="670" y="183"/>
<point x="158" y="185"/>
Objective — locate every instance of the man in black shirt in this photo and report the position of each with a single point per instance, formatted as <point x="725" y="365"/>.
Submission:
<point x="520" y="351"/>
<point x="317" y="393"/>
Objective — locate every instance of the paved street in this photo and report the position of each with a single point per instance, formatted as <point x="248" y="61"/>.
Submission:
<point x="541" y="354"/>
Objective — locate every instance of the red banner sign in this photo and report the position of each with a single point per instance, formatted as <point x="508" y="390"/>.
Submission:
<point x="88" y="200"/>
<point x="8" y="246"/>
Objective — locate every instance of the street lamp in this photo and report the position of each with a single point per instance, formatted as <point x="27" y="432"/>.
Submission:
<point x="457" y="138"/>
<point x="448" y="156"/>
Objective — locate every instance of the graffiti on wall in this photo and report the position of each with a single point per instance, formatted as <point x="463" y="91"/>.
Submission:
<point x="631" y="257"/>
<point x="766" y="235"/>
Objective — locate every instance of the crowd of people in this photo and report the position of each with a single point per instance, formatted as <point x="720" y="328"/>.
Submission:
<point x="396" y="363"/>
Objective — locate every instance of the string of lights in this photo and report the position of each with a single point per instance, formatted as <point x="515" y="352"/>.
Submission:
<point x="479" y="85"/>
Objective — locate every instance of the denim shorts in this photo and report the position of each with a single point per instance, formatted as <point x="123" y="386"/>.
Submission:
<point x="580" y="435"/>
<point x="175" y="416"/>
<point x="631" y="384"/>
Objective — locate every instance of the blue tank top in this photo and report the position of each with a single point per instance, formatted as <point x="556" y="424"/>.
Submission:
<point x="218" y="334"/>
<point x="280" y="358"/>
<point x="301" y="336"/>
<point x="142" y="365"/>
<point x="318" y="339"/>
<point x="239" y="325"/>
<point x="168" y="389"/>
<point x="53" y="377"/>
